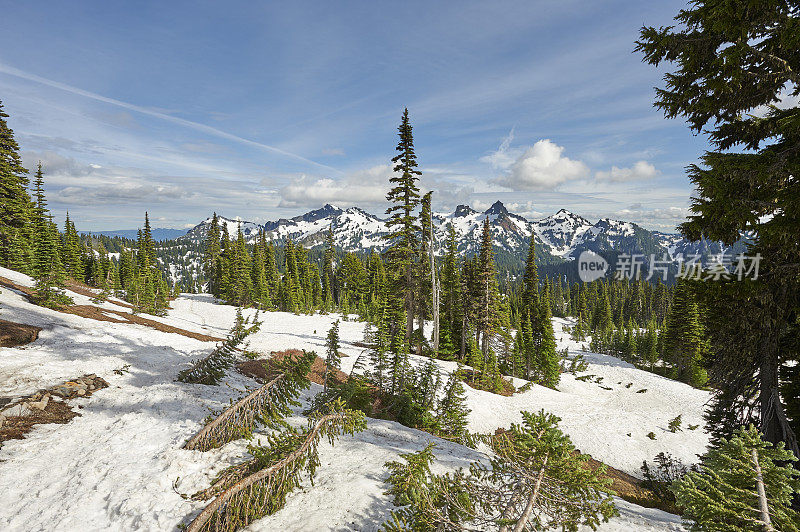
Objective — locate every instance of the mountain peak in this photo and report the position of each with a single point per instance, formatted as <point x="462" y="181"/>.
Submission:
<point x="497" y="208"/>
<point x="463" y="210"/>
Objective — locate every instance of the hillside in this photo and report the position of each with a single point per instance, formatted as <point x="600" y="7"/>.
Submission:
<point x="119" y="464"/>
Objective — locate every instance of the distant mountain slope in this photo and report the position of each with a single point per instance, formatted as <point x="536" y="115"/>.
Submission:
<point x="562" y="236"/>
<point x="159" y="234"/>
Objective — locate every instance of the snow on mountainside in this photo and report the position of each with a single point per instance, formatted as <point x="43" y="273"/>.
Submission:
<point x="120" y="465"/>
<point x="561" y="236"/>
<point x="562" y="232"/>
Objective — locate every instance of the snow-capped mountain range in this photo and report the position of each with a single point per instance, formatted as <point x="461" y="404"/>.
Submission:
<point x="559" y="237"/>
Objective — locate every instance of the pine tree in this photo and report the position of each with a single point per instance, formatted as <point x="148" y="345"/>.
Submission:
<point x="747" y="183"/>
<point x="47" y="268"/>
<point x="488" y="297"/>
<point x="535" y="481"/>
<point x="452" y="411"/>
<point x="451" y="299"/>
<point x="328" y="281"/>
<point x="403" y="232"/>
<point x="744" y="484"/>
<point x="530" y="281"/>
<point x="684" y="340"/>
<point x="547" y="358"/>
<point x="15" y="204"/>
<point x="211" y="256"/>
<point x="71" y="251"/>
<point x="333" y="360"/>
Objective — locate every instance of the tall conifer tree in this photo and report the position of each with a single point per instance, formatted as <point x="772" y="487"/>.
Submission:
<point x="403" y="234"/>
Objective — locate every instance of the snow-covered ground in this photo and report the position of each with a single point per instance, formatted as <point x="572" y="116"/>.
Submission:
<point x="119" y="466"/>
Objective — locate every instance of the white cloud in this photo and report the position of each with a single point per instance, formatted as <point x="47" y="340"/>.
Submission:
<point x="542" y="166"/>
<point x="640" y="171"/>
<point x="363" y="187"/>
<point x="662" y="218"/>
<point x="505" y="156"/>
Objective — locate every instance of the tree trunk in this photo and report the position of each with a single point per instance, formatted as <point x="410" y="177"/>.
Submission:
<point x="463" y="348"/>
<point x="526" y="514"/>
<point x="774" y="425"/>
<point x="435" y="294"/>
<point x="762" y="494"/>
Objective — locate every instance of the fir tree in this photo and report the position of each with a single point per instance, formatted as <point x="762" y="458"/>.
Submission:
<point x="547" y="358"/>
<point x="747" y="183"/>
<point x="333" y="360"/>
<point x="403" y="234"/>
<point x="328" y="281"/>
<point x="684" y="340"/>
<point x="451" y="298"/>
<point x="744" y="484"/>
<point x="487" y="295"/>
<point x="452" y="412"/>
<point x="211" y="256"/>
<point x="15" y="204"/>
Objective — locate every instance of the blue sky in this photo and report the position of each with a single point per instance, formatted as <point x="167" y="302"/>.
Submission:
<point x="263" y="110"/>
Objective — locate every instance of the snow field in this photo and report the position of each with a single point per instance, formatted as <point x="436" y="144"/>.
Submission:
<point x="119" y="465"/>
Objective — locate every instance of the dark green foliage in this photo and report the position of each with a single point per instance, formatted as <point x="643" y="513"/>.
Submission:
<point x="659" y="478"/>
<point x="333" y="360"/>
<point x="268" y="404"/>
<point x="259" y="487"/>
<point x="732" y="60"/>
<point x="452" y="413"/>
<point x="15" y="203"/>
<point x="535" y="481"/>
<point x="211" y="369"/>
<point x="685" y="343"/>
<point x="722" y="495"/>
<point x="403" y="224"/>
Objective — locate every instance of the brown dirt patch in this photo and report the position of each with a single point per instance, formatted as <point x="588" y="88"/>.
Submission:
<point x="15" y="427"/>
<point x="258" y="369"/>
<point x="630" y="488"/>
<point x="14" y="334"/>
<point x="101" y="314"/>
<point x="96" y="313"/>
<point x="18" y="419"/>
<point x="8" y="283"/>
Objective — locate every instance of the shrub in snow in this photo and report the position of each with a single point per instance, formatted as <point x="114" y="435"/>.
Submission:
<point x="675" y="424"/>
<point x="535" y="481"/>
<point x="211" y="369"/>
<point x="743" y="484"/>
<point x="259" y="487"/>
<point x="659" y="477"/>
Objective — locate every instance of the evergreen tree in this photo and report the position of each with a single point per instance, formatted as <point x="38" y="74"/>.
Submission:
<point x="744" y="484"/>
<point x="547" y="358"/>
<point x="451" y="299"/>
<point x="684" y="339"/>
<point x="211" y="256"/>
<point x="732" y="61"/>
<point x="47" y="268"/>
<point x="15" y="204"/>
<point x="452" y="411"/>
<point x="333" y="360"/>
<point x="488" y="296"/>
<point x="328" y="281"/>
<point x="403" y="234"/>
<point x="535" y="481"/>
<point x="71" y="251"/>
